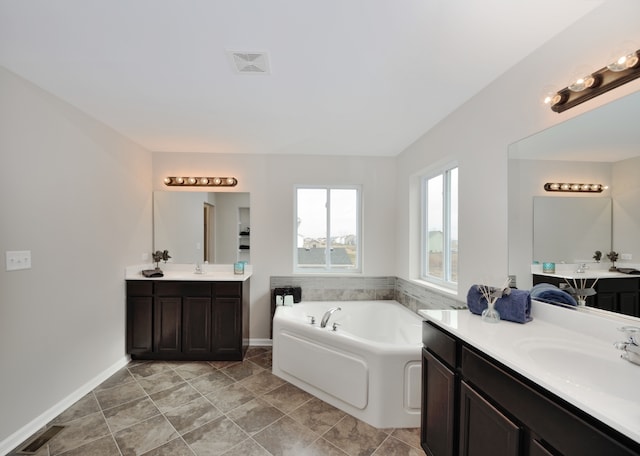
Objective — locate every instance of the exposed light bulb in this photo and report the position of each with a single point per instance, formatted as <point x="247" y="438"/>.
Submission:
<point x="230" y="180"/>
<point x="204" y="181"/>
<point x="217" y="181"/>
<point x="167" y="180"/>
<point x="624" y="63"/>
<point x="564" y="187"/>
<point x="554" y="186"/>
<point x="180" y="180"/>
<point x="192" y="180"/>
<point x="581" y="84"/>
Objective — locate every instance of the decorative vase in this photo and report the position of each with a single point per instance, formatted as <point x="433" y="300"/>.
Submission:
<point x="490" y="314"/>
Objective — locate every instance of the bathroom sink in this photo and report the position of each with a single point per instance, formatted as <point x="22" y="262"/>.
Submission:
<point x="588" y="367"/>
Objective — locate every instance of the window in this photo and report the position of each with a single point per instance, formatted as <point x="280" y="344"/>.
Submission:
<point x="327" y="229"/>
<point x="440" y="227"/>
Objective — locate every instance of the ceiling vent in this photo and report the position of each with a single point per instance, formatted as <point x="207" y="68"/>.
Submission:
<point x="250" y="62"/>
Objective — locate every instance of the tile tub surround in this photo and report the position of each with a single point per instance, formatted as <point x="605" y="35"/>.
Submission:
<point x="215" y="408"/>
<point x="566" y="352"/>
<point x="408" y="293"/>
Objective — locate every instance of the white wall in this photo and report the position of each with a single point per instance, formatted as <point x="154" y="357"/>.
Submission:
<point x="78" y="196"/>
<point x="271" y="180"/>
<point x="478" y="134"/>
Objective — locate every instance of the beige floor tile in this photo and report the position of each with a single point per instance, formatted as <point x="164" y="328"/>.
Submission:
<point x="247" y="448"/>
<point x="286" y="437"/>
<point x="174" y="396"/>
<point x="130" y="413"/>
<point x="255" y="415"/>
<point x="160" y="381"/>
<point x="355" y="437"/>
<point x="176" y="447"/>
<point x="119" y="395"/>
<point x="192" y="415"/>
<point x="262" y="383"/>
<point x="105" y="446"/>
<point x="287" y="397"/>
<point x="79" y="432"/>
<point x="394" y="447"/>
<point x="215" y="437"/>
<point x="85" y="406"/>
<point x="317" y="415"/>
<point x="207" y="384"/>
<point x="242" y="370"/>
<point x="230" y="397"/>
<point x="145" y="436"/>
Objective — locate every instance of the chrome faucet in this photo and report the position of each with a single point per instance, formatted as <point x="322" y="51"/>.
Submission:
<point x="327" y="315"/>
<point x="582" y="267"/>
<point x="630" y="347"/>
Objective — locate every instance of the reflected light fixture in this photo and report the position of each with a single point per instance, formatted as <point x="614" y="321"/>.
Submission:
<point x="574" y="187"/>
<point x="172" y="181"/>
<point x="622" y="70"/>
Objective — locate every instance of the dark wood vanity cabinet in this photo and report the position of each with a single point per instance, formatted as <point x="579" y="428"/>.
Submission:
<point x="474" y="406"/>
<point x="620" y="295"/>
<point x="187" y="320"/>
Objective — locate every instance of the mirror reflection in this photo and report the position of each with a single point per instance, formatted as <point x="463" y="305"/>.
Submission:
<point x="198" y="227"/>
<point x="600" y="146"/>
<point x="586" y="222"/>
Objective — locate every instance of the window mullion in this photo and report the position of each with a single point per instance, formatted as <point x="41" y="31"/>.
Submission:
<point x="327" y="250"/>
<point x="446" y="226"/>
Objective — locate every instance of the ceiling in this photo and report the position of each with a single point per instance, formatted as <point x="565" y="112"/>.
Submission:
<point x="347" y="77"/>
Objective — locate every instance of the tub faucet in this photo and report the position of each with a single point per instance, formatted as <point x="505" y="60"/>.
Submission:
<point x="630" y="347"/>
<point x="327" y="315"/>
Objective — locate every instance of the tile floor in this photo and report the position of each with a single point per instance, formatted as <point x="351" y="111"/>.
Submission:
<point x="215" y="408"/>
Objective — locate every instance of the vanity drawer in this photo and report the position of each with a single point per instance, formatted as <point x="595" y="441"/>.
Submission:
<point x="618" y="285"/>
<point x="233" y="289"/>
<point x="567" y="432"/>
<point x="180" y="288"/>
<point x="439" y="343"/>
<point x="139" y="288"/>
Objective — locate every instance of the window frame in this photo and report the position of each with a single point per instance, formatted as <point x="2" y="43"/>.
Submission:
<point x="447" y="241"/>
<point x="328" y="268"/>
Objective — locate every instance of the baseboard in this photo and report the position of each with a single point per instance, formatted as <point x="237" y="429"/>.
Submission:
<point x="39" y="422"/>
<point x="260" y="342"/>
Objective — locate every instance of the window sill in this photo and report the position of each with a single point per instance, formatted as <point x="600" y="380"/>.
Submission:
<point x="436" y="287"/>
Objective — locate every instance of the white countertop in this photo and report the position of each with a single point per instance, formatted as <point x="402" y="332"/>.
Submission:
<point x="568" y="352"/>
<point x="186" y="272"/>
<point x="593" y="271"/>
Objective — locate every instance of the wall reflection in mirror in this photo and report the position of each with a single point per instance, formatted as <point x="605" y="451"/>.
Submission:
<point x="601" y="146"/>
<point x="202" y="226"/>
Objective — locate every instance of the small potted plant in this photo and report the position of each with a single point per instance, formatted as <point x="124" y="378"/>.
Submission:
<point x="613" y="257"/>
<point x="160" y="256"/>
<point x="597" y="256"/>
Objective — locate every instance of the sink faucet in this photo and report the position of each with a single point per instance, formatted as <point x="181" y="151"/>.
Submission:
<point x="198" y="268"/>
<point x="327" y="315"/>
<point x="582" y="267"/>
<point x="630" y="347"/>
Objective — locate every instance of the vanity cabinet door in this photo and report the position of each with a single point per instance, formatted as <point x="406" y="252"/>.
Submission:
<point x="139" y="317"/>
<point x="168" y="324"/>
<point x="484" y="430"/>
<point x="139" y="324"/>
<point x="628" y="303"/>
<point x="227" y="328"/>
<point x="196" y="325"/>
<point x="438" y="407"/>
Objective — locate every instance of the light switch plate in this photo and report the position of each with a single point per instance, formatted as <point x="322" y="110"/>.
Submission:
<point x="18" y="259"/>
<point x="626" y="256"/>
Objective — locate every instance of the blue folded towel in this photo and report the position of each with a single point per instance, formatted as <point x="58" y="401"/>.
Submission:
<point x="551" y="294"/>
<point x="515" y="306"/>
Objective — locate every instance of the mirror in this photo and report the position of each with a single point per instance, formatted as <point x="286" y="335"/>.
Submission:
<point x="600" y="146"/>
<point x="202" y="226"/>
<point x="584" y="221"/>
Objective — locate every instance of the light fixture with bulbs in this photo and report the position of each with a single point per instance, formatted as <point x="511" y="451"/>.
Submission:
<point x="622" y="70"/>
<point x="574" y="187"/>
<point x="172" y="181"/>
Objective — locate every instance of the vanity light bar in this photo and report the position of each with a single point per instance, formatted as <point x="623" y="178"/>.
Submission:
<point x="624" y="69"/>
<point x="573" y="187"/>
<point x="172" y="181"/>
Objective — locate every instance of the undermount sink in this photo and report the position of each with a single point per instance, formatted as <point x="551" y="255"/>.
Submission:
<point x="589" y="367"/>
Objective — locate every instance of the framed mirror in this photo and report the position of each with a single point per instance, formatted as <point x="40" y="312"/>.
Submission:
<point x="600" y="146"/>
<point x="212" y="227"/>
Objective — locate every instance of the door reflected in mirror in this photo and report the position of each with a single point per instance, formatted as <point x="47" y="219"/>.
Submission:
<point x="202" y="226"/>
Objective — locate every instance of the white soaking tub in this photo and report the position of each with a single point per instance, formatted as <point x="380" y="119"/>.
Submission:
<point x="369" y="367"/>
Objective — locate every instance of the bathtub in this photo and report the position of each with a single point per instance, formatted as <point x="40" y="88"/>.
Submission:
<point x="370" y="367"/>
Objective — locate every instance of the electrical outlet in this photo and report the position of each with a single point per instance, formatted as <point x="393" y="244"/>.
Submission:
<point x="625" y="256"/>
<point x="18" y="259"/>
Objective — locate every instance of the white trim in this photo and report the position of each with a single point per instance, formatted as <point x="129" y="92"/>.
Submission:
<point x="260" y="343"/>
<point x="45" y="417"/>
